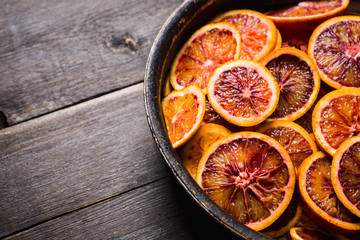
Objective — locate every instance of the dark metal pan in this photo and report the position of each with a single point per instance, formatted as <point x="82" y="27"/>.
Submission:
<point x="187" y="18"/>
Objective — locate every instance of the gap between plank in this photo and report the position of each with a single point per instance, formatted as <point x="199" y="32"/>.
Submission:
<point x="109" y="198"/>
<point x="76" y="103"/>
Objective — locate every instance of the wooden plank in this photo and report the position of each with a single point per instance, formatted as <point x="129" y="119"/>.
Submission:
<point x="57" y="53"/>
<point x="156" y="211"/>
<point x="74" y="157"/>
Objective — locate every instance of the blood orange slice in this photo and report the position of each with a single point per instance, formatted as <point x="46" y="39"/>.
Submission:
<point x="319" y="197"/>
<point x="307" y="14"/>
<point x="295" y="139"/>
<point x="286" y="221"/>
<point x="209" y="47"/>
<point x="298" y="81"/>
<point x="258" y="32"/>
<point x="336" y="118"/>
<point x="243" y="92"/>
<point x="345" y="174"/>
<point x="334" y="47"/>
<point x="183" y="111"/>
<point x="305" y="233"/>
<point x="250" y="176"/>
<point x="193" y="150"/>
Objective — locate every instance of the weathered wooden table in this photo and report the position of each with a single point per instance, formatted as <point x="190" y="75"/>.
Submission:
<point x="77" y="159"/>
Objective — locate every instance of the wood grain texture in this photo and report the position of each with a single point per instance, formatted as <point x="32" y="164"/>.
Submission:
<point x="57" y="53"/>
<point x="156" y="211"/>
<point x="74" y="157"/>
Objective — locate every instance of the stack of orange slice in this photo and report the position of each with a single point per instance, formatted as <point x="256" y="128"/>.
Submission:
<point x="233" y="94"/>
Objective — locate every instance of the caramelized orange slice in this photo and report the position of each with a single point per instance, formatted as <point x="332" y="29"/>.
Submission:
<point x="345" y="174"/>
<point x="258" y="32"/>
<point x="209" y="47"/>
<point x="243" y="92"/>
<point x="183" y="111"/>
<point x="295" y="139"/>
<point x="334" y="47"/>
<point x="307" y="13"/>
<point x="336" y="118"/>
<point x="298" y="81"/>
<point x="319" y="197"/>
<point x="249" y="175"/>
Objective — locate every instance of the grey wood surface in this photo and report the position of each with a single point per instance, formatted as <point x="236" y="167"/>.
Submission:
<point x="128" y="216"/>
<point x="158" y="210"/>
<point x="54" y="54"/>
<point x="75" y="157"/>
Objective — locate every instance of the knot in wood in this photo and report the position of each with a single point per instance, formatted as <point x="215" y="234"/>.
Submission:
<point x="123" y="41"/>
